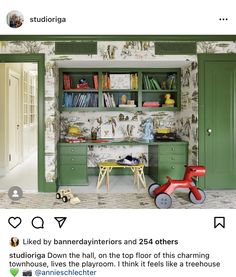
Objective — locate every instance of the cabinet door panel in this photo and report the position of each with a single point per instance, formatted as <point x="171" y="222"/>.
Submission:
<point x="75" y="159"/>
<point x="73" y="174"/>
<point x="171" y="149"/>
<point x="172" y="158"/>
<point x="68" y="150"/>
<point x="174" y="171"/>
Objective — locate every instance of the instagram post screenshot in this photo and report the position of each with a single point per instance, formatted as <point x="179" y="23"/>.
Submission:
<point x="117" y="138"/>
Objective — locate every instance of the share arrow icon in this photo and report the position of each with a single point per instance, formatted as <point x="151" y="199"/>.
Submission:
<point x="60" y="220"/>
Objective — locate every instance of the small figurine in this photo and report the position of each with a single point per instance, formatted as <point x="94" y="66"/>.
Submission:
<point x="123" y="99"/>
<point x="148" y="129"/>
<point x="168" y="100"/>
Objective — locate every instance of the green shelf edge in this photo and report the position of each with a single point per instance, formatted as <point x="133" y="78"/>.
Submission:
<point x="96" y="109"/>
<point x="80" y="90"/>
<point x="160" y="90"/>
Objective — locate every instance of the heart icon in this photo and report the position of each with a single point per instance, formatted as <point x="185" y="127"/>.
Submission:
<point x="14" y="221"/>
<point x="14" y="271"/>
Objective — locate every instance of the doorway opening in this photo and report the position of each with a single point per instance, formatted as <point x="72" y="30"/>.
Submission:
<point x="19" y="126"/>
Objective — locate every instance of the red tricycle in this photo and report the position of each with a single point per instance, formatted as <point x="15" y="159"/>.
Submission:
<point x="161" y="194"/>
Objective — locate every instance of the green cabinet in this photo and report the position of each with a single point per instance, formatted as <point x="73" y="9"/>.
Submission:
<point x="72" y="164"/>
<point x="167" y="159"/>
<point x="119" y="89"/>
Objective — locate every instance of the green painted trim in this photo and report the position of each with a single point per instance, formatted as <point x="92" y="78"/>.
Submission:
<point x="116" y="69"/>
<point x="202" y="58"/>
<point x="175" y="48"/>
<point x="40" y="60"/>
<point x="118" y="37"/>
<point x="50" y="187"/>
<point x="76" y="48"/>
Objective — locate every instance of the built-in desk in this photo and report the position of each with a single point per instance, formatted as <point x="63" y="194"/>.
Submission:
<point x="165" y="158"/>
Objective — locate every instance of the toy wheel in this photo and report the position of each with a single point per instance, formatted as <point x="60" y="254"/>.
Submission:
<point x="58" y="196"/>
<point x="151" y="189"/>
<point x="163" y="201"/>
<point x="193" y="199"/>
<point x="64" y="199"/>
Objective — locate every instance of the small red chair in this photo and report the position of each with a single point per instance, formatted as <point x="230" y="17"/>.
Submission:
<point x="161" y="194"/>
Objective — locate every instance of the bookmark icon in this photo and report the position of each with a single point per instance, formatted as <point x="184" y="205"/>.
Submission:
<point x="60" y="220"/>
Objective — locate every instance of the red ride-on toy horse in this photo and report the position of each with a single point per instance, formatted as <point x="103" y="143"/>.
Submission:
<point x="161" y="194"/>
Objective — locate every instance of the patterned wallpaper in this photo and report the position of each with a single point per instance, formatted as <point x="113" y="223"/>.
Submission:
<point x="186" y="121"/>
<point x="125" y="125"/>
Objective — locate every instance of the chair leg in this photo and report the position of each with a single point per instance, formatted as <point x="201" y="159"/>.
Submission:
<point x="102" y="173"/>
<point x="108" y="179"/>
<point x="138" y="177"/>
<point x="141" y="176"/>
<point x="134" y="174"/>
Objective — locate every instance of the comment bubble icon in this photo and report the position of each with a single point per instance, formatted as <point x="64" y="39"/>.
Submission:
<point x="37" y="222"/>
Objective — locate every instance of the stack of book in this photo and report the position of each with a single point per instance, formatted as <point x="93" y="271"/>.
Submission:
<point x="106" y="81"/>
<point x="109" y="100"/>
<point x="152" y="104"/>
<point x="80" y="100"/>
<point x="150" y="83"/>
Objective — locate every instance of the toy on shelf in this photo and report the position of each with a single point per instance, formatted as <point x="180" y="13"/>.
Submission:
<point x="66" y="195"/>
<point x="74" y="131"/>
<point x="161" y="194"/>
<point x="169" y="101"/>
<point x="74" y="135"/>
<point x="83" y="84"/>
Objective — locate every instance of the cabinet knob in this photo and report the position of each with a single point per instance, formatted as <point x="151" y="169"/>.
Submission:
<point x="172" y="148"/>
<point x="209" y="131"/>
<point x="72" y="159"/>
<point x="72" y="168"/>
<point x="172" y="167"/>
<point x="72" y="150"/>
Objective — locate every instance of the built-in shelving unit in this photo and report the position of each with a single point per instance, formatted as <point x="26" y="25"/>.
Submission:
<point x="119" y="89"/>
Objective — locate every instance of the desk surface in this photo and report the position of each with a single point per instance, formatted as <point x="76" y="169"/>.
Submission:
<point x="110" y="142"/>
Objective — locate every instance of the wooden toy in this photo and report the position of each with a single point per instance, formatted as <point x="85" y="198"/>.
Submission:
<point x="66" y="195"/>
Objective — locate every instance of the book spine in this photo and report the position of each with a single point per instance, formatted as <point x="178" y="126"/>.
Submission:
<point x="67" y="82"/>
<point x="95" y="81"/>
<point x="136" y="80"/>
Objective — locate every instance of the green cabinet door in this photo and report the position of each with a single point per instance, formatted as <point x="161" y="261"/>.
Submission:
<point x="72" y="164"/>
<point x="167" y="159"/>
<point x="173" y="170"/>
<point x="219" y="123"/>
<point x="73" y="175"/>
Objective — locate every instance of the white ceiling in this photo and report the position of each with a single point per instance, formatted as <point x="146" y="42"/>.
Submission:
<point x="165" y="61"/>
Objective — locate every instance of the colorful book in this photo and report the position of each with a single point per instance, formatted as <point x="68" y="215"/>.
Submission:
<point x="95" y="81"/>
<point x="151" y="104"/>
<point x="67" y="82"/>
